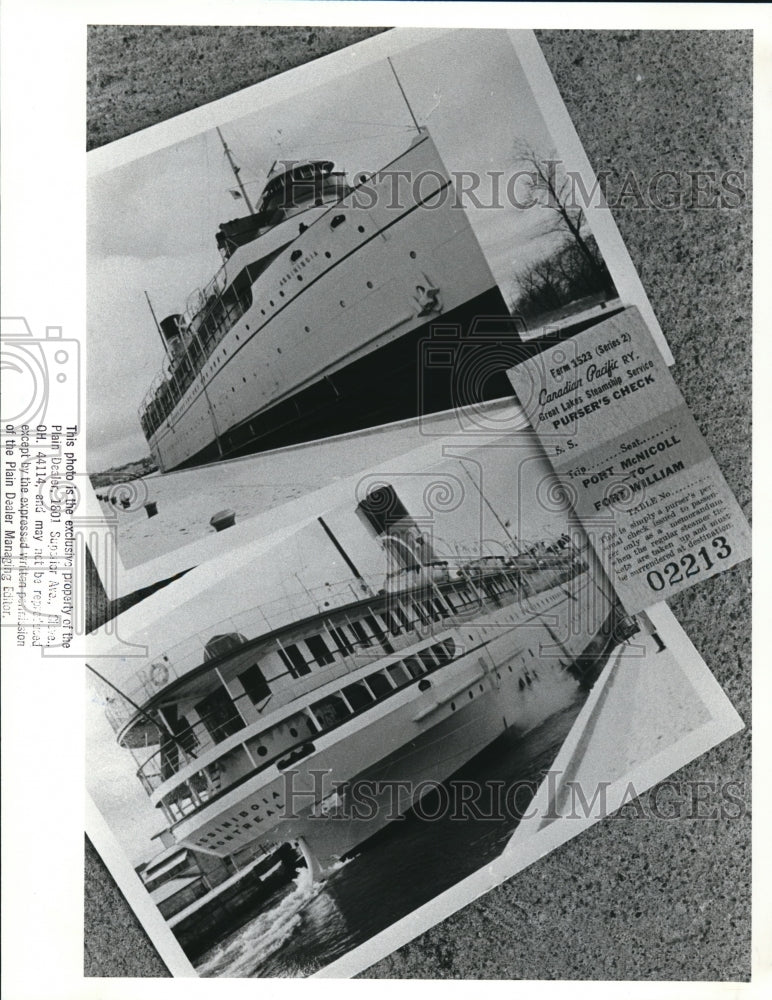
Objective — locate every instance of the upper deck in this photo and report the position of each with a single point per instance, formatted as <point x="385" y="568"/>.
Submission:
<point x="245" y="702"/>
<point x="264" y="245"/>
<point x="295" y="634"/>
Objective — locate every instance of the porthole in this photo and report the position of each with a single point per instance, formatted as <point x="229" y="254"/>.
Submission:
<point x="369" y="284"/>
<point x="338" y="220"/>
<point x="343" y="304"/>
<point x="361" y="229"/>
<point x="281" y="295"/>
<point x="307" y="329"/>
<point x="296" y="255"/>
<point x="453" y="706"/>
<point x="293" y="731"/>
<point x="278" y="350"/>
<point x="300" y="277"/>
<point x="271" y="303"/>
<point x="413" y="254"/>
<point x="261" y="751"/>
<point x="327" y="253"/>
<point x="471" y="695"/>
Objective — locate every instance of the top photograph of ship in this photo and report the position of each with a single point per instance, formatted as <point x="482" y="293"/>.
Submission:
<point x="313" y="324"/>
<point x="392" y="256"/>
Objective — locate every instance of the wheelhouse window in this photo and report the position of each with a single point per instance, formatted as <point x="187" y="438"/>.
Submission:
<point x="294" y="660"/>
<point x="254" y="683"/>
<point x="394" y="625"/>
<point x="319" y="650"/>
<point x="219" y="715"/>
<point x="342" y="641"/>
<point x="360" y="634"/>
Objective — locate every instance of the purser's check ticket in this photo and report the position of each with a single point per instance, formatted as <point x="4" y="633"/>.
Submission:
<point x="632" y="461"/>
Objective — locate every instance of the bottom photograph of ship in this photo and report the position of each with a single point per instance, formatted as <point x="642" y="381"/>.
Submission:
<point x="305" y="740"/>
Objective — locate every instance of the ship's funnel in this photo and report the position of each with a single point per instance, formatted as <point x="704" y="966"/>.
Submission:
<point x="387" y="518"/>
<point x="170" y="331"/>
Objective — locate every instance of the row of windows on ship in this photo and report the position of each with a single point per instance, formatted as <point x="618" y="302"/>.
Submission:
<point x="223" y="712"/>
<point x="219" y="314"/>
<point x="372" y="630"/>
<point x="282" y="743"/>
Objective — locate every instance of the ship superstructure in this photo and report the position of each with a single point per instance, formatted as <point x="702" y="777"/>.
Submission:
<point x="265" y="728"/>
<point x="317" y="322"/>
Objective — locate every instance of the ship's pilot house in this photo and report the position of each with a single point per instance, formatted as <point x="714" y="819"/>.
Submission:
<point x="288" y="192"/>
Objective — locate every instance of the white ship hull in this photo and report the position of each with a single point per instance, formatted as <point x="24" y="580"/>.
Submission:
<point x="513" y="674"/>
<point x="333" y="338"/>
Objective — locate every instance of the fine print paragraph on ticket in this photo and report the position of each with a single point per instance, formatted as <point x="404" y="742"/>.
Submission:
<point x="632" y="461"/>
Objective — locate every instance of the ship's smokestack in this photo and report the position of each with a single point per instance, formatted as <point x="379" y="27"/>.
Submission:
<point x="388" y="520"/>
<point x="170" y="331"/>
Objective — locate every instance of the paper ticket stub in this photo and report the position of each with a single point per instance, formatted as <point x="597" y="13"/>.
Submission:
<point x="632" y="461"/>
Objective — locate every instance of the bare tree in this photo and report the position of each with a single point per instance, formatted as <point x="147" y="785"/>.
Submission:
<point x="549" y="186"/>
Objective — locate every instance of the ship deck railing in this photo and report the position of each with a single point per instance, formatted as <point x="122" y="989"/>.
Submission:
<point x="236" y="762"/>
<point x="209" y="314"/>
<point x="252" y="625"/>
<point x="207" y="783"/>
<point x="171" y="665"/>
<point x="190" y="742"/>
<point x="217" y="315"/>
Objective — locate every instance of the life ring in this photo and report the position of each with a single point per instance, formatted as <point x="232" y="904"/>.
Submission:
<point x="159" y="674"/>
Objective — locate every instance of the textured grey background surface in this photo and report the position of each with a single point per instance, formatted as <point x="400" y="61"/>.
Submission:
<point x="632" y="898"/>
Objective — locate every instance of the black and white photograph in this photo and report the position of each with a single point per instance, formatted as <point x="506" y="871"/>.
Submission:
<point x="380" y="247"/>
<point x="350" y="715"/>
<point x="376" y="461"/>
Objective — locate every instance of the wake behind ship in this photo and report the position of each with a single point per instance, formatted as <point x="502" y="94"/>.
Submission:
<point x="337" y="307"/>
<point x="263" y="730"/>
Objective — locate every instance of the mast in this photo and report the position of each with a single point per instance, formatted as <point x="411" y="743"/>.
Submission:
<point x="344" y="554"/>
<point x="492" y="509"/>
<point x="137" y="708"/>
<point x="236" y="172"/>
<point x="404" y="95"/>
<point x="160" y="334"/>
